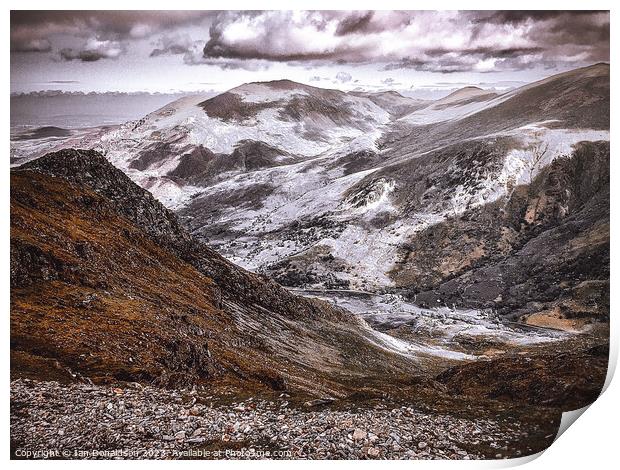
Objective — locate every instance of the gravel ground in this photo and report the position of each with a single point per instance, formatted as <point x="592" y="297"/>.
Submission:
<point x="50" y="420"/>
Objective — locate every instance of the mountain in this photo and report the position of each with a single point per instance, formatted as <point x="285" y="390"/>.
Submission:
<point x="456" y="105"/>
<point x="128" y="330"/>
<point x="107" y="286"/>
<point x="463" y="94"/>
<point x="299" y="119"/>
<point x="368" y="191"/>
<point x="120" y="291"/>
<point x="393" y="102"/>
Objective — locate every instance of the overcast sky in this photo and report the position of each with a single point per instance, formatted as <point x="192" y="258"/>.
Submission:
<point x="418" y="52"/>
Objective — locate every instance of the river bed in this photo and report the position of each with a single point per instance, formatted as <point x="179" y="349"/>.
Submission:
<point x="453" y="333"/>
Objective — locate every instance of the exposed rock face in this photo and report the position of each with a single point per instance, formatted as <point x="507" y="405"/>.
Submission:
<point x="89" y="169"/>
<point x="106" y="284"/>
<point x="200" y="166"/>
<point x="544" y="243"/>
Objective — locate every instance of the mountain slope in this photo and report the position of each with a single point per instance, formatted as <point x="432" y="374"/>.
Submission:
<point x="544" y="247"/>
<point x="415" y="184"/>
<point x="105" y="284"/>
<point x="246" y="174"/>
<point x="578" y="99"/>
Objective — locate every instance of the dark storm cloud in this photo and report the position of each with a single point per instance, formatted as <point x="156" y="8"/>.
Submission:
<point x="438" y="41"/>
<point x="84" y="56"/>
<point x="113" y="25"/>
<point x="355" y="23"/>
<point x="94" y="50"/>
<point x="463" y="60"/>
<point x="31" y="31"/>
<point x="521" y="16"/>
<point x="424" y="40"/>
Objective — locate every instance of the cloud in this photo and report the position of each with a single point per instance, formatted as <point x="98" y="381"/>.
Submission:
<point x="107" y="24"/>
<point x="357" y="22"/>
<point x="194" y="56"/>
<point x="31" y="45"/>
<point x="390" y="82"/>
<point x="173" y="45"/>
<point x="93" y="51"/>
<point x="35" y="30"/>
<point x="436" y="41"/>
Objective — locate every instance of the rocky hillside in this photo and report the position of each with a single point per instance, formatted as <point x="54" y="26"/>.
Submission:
<point x="324" y="189"/>
<point x="129" y="333"/>
<point x="542" y="247"/>
<point x="105" y="284"/>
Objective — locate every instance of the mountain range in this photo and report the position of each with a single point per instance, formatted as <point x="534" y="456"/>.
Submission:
<point x="324" y="250"/>
<point x="441" y="200"/>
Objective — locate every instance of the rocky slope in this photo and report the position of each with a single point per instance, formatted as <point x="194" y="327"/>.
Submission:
<point x="542" y="247"/>
<point x="112" y="298"/>
<point x="149" y="423"/>
<point x="323" y="189"/>
<point x="107" y="285"/>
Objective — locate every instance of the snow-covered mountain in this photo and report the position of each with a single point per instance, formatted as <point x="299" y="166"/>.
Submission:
<point x="324" y="188"/>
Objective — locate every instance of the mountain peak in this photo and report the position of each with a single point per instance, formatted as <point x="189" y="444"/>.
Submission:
<point x="463" y="93"/>
<point x="92" y="169"/>
<point x="276" y="85"/>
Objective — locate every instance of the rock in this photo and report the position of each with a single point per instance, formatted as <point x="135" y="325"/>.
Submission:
<point x="159" y="418"/>
<point x="319" y="402"/>
<point x="373" y="452"/>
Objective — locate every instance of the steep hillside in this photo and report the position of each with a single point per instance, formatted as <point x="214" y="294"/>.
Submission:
<point x="324" y="189"/>
<point x="578" y="99"/>
<point x="106" y="285"/>
<point x="542" y="247"/>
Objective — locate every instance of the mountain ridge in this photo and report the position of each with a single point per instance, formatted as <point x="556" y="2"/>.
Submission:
<point x="93" y="259"/>
<point x="284" y="185"/>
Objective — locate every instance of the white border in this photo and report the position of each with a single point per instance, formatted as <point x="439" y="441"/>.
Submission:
<point x="590" y="444"/>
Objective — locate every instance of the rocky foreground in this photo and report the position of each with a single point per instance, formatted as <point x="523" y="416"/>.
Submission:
<point x="50" y="420"/>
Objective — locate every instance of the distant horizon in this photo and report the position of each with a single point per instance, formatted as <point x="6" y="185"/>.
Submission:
<point x="429" y="92"/>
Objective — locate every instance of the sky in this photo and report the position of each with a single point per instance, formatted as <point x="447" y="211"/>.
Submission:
<point x="419" y="53"/>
